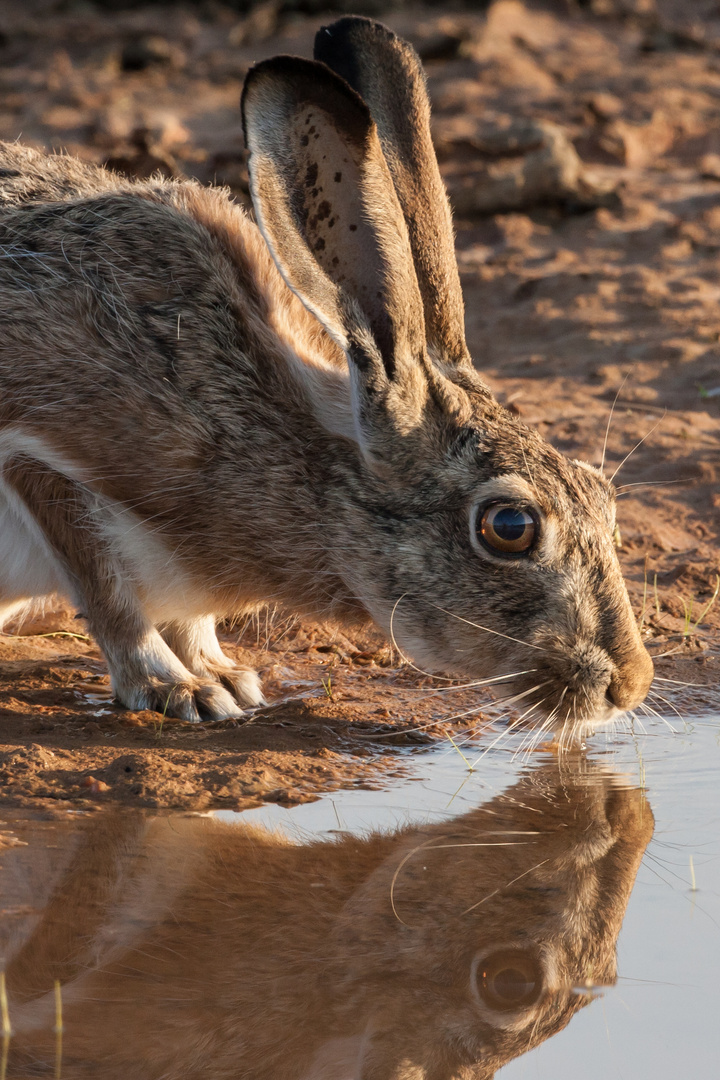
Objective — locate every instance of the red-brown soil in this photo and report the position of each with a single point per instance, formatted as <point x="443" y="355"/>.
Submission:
<point x="577" y="292"/>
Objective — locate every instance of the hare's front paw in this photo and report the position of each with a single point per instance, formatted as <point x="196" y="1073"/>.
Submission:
<point x="195" y="643"/>
<point x="192" y="699"/>
<point x="243" y="683"/>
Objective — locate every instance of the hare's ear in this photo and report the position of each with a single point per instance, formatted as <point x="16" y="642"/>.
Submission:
<point x="387" y="73"/>
<point x="327" y="207"/>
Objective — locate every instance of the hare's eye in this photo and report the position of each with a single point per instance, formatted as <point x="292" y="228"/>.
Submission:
<point x="509" y="980"/>
<point x="507" y="529"/>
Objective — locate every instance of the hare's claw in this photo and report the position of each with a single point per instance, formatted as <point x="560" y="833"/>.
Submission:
<point x="244" y="685"/>
<point x="195" y="643"/>
<point x="192" y="700"/>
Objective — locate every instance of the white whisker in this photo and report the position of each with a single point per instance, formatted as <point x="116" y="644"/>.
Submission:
<point x="512" y="726"/>
<point x="429" y="845"/>
<point x="487" y="629"/>
<point x="637" y="445"/>
<point x="607" y="429"/>
<point x="403" y="657"/>
<point x="624" y="488"/>
<point x="469" y="685"/>
<point x="653" y="695"/>
<point x="653" y="712"/>
<point x="677" y="682"/>
<point x="506" y="886"/>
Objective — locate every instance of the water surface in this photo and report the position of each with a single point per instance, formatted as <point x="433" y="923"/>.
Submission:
<point x="661" y="1018"/>
<point x="475" y="934"/>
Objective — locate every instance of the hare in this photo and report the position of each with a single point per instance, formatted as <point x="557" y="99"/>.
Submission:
<point x="195" y="949"/>
<point x="200" y="415"/>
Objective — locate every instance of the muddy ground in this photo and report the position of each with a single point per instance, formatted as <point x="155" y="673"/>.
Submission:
<point x="581" y="147"/>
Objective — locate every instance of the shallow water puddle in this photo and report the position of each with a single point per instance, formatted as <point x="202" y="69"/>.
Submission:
<point x="660" y="1020"/>
<point x="463" y="940"/>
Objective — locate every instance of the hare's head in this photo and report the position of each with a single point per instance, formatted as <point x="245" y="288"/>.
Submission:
<point x="481" y="549"/>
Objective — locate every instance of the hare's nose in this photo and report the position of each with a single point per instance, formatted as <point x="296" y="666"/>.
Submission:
<point x="631" y="680"/>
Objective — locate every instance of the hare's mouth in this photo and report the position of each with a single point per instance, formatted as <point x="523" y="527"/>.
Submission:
<point x="576" y="688"/>
<point x="562" y="706"/>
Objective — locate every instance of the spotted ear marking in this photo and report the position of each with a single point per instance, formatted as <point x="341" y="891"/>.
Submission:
<point x="326" y="204"/>
<point x="387" y="73"/>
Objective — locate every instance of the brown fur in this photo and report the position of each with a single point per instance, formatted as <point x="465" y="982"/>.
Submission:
<point x="387" y="73"/>
<point x="231" y="441"/>
<point x="191" y="948"/>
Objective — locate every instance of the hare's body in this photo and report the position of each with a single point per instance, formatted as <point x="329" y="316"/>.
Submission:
<point x="193" y="333"/>
<point x="181" y="437"/>
<point x="190" y="354"/>
<point x="191" y="948"/>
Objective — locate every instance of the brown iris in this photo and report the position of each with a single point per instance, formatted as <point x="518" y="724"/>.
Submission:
<point x="507" y="529"/>
<point x="509" y="980"/>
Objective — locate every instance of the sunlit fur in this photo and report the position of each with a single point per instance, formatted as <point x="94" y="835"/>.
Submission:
<point x="181" y="439"/>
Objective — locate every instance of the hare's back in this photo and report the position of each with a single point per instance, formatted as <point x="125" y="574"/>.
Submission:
<point x="164" y="285"/>
<point x="128" y="311"/>
<point x="29" y="176"/>
<point x="126" y="279"/>
<point x="139" y="309"/>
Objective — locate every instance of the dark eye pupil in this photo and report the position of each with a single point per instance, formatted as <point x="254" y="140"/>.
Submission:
<point x="512" y="985"/>
<point x="510" y="524"/>
<point x="507" y="529"/>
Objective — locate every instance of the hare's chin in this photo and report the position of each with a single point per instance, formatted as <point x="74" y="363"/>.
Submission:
<point x="588" y="725"/>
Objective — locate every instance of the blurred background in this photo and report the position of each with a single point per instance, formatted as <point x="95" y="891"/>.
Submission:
<point x="144" y="87"/>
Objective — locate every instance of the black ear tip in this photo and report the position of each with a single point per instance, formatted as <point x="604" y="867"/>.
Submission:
<point x="350" y="31"/>
<point x="289" y="82"/>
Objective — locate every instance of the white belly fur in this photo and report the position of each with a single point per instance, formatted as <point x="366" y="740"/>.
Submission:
<point x="29" y="568"/>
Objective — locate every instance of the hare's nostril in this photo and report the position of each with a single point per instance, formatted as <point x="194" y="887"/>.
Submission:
<point x="617" y="695"/>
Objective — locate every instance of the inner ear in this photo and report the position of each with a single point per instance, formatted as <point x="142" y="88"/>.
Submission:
<point x="328" y="201"/>
<point x="387" y="73"/>
<point x="327" y="207"/>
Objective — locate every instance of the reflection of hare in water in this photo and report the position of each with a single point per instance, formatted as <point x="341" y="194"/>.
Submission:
<point x="188" y="948"/>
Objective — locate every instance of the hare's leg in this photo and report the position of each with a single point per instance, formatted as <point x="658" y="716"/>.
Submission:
<point x="145" y="672"/>
<point x="195" y="642"/>
<point x="28" y="573"/>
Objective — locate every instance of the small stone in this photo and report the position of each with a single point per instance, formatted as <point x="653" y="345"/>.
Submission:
<point x="605" y="106"/>
<point x="364" y="659"/>
<point x="131" y="720"/>
<point x="637" y="145"/>
<point x="94" y="787"/>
